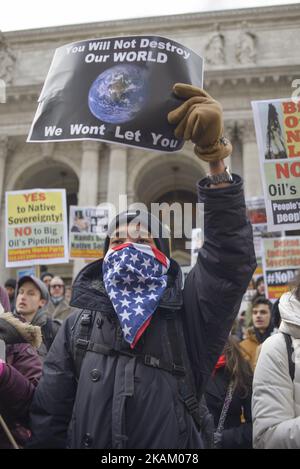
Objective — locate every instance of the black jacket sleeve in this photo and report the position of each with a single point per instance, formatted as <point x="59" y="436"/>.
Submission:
<point x="54" y="397"/>
<point x="241" y="436"/>
<point x="214" y="288"/>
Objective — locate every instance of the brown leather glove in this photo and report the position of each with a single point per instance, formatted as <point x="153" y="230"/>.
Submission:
<point x="200" y="120"/>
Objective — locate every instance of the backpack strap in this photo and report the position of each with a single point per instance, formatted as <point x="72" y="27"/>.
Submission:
<point x="83" y="336"/>
<point x="84" y="345"/>
<point x="176" y="367"/>
<point x="290" y="351"/>
<point x="185" y="386"/>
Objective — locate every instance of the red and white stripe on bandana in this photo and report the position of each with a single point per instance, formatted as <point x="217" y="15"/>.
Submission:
<point x="135" y="278"/>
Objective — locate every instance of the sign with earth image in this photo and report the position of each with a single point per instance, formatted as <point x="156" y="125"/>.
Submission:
<point x="115" y="90"/>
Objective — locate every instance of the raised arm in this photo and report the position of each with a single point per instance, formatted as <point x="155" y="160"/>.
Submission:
<point x="215" y="286"/>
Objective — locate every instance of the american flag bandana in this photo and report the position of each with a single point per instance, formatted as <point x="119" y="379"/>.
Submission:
<point x="135" y="279"/>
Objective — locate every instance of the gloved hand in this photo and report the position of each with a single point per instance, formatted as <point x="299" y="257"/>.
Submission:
<point x="14" y="331"/>
<point x="200" y="120"/>
<point x="9" y="333"/>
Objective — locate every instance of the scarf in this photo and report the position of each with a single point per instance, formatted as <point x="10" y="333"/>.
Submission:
<point x="56" y="299"/>
<point x="135" y="278"/>
<point x="220" y="364"/>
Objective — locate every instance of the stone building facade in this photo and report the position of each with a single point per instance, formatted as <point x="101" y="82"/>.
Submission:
<point x="250" y="54"/>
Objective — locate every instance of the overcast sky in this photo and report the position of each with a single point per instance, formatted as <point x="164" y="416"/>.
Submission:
<point x="27" y="14"/>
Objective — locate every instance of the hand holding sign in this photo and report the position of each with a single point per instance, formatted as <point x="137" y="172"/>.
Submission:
<point x="200" y="120"/>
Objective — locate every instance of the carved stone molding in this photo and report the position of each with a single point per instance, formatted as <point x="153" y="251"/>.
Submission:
<point x="253" y="75"/>
<point x="7" y="61"/>
<point x="23" y="93"/>
<point x="3" y="146"/>
<point x="246" y="131"/>
<point x="246" y="48"/>
<point x="215" y="49"/>
<point x="230" y="129"/>
<point x="7" y="146"/>
<point x="200" y="20"/>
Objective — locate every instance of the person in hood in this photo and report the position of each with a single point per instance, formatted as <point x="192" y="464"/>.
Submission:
<point x="128" y="369"/>
<point x="20" y="371"/>
<point x="276" y="385"/>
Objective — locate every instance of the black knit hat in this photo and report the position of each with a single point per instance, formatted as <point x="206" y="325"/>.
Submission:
<point x="46" y="274"/>
<point x="159" y="233"/>
<point x="11" y="282"/>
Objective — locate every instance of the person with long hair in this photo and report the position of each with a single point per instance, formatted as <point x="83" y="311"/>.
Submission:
<point x="228" y="398"/>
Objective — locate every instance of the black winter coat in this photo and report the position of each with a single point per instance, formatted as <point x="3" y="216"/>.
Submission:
<point x="119" y="402"/>
<point x="235" y="434"/>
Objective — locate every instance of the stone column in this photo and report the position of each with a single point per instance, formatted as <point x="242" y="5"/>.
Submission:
<point x="88" y="184"/>
<point x="117" y="175"/>
<point x="251" y="166"/>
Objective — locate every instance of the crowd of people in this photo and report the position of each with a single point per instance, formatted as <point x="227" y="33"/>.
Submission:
<point x="133" y="360"/>
<point x="32" y="316"/>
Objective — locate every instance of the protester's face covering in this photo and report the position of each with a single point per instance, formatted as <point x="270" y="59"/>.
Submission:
<point x="134" y="275"/>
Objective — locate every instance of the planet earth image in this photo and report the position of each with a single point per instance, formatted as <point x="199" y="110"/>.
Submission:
<point x="118" y="94"/>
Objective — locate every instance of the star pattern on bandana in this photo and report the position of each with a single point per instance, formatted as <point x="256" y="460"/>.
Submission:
<point x="135" y="279"/>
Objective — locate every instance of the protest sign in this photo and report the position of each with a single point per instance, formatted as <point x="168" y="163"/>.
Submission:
<point x="277" y="126"/>
<point x="88" y="227"/>
<point x="281" y="261"/>
<point x="115" y="90"/>
<point x="26" y="271"/>
<point x="256" y="212"/>
<point x="36" y="227"/>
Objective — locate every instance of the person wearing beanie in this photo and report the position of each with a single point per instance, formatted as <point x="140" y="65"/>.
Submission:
<point x="46" y="277"/>
<point x="31" y="301"/>
<point x="10" y="286"/>
<point x="276" y="385"/>
<point x="129" y="367"/>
